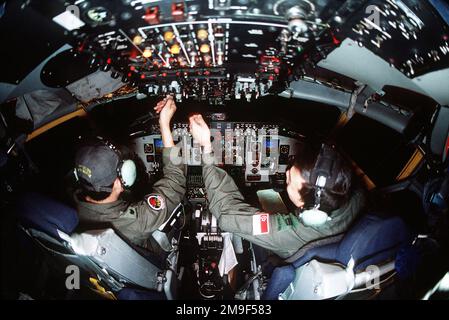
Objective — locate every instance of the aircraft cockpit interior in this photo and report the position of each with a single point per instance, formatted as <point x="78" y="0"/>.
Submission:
<point x="224" y="149"/>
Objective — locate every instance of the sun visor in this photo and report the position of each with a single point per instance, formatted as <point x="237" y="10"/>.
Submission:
<point x="314" y="91"/>
<point x="43" y="106"/>
<point x="94" y="86"/>
<point x="404" y="117"/>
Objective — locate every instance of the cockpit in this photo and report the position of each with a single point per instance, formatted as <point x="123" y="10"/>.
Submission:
<point x="269" y="78"/>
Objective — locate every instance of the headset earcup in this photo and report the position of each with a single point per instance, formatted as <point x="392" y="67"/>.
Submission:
<point x="128" y="173"/>
<point x="314" y="218"/>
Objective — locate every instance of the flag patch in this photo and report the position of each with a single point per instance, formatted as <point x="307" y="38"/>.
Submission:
<point x="261" y="224"/>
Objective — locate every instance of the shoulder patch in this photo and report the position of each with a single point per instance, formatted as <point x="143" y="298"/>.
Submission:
<point x="156" y="202"/>
<point x="261" y="224"/>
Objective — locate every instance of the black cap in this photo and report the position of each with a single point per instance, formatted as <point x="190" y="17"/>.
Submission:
<point x="96" y="167"/>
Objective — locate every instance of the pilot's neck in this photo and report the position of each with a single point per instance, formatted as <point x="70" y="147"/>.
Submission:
<point x="111" y="198"/>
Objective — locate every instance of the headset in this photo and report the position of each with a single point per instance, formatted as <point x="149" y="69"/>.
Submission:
<point x="323" y="176"/>
<point x="126" y="168"/>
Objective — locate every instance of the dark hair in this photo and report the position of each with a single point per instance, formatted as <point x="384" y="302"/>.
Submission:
<point x="97" y="196"/>
<point x="331" y="199"/>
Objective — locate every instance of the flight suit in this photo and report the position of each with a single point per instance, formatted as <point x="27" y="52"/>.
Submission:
<point x="287" y="234"/>
<point x="136" y="221"/>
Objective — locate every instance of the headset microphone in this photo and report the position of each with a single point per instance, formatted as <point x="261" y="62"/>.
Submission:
<point x="315" y="217"/>
<point x="321" y="177"/>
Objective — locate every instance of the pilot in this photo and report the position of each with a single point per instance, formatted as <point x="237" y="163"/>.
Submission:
<point x="103" y="174"/>
<point x="283" y="234"/>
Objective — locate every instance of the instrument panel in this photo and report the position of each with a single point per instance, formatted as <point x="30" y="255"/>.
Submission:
<point x="219" y="50"/>
<point x="256" y="150"/>
<point x="202" y="50"/>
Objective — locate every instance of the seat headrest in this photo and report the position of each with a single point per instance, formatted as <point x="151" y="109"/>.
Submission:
<point x="372" y="240"/>
<point x="45" y="214"/>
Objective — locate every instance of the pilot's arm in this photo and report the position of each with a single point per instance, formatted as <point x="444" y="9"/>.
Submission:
<point x="223" y="196"/>
<point x="282" y="234"/>
<point x="173" y="184"/>
<point x="227" y="204"/>
<point x="169" y="191"/>
<point x="279" y="233"/>
<point x="234" y="215"/>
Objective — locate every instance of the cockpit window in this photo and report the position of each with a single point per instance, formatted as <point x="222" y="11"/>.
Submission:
<point x="379" y="151"/>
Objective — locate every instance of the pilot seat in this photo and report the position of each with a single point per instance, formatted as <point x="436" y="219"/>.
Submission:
<point x="343" y="264"/>
<point x="106" y="262"/>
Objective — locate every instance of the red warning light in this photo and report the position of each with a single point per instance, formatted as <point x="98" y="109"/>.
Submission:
<point x="269" y="61"/>
<point x="109" y="61"/>
<point x="132" y="68"/>
<point x="177" y="11"/>
<point x="142" y="76"/>
<point x="133" y="54"/>
<point x="152" y="15"/>
<point x="335" y="40"/>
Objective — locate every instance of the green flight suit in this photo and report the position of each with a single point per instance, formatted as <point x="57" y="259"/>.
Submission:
<point x="287" y="233"/>
<point x="136" y="221"/>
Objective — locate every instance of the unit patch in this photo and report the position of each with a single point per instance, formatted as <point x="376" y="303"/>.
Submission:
<point x="156" y="202"/>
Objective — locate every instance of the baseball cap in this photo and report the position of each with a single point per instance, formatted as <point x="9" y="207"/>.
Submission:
<point x="96" y="167"/>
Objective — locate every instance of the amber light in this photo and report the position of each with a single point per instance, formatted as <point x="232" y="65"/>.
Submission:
<point x="147" y="53"/>
<point x="137" y="40"/>
<point x="175" y="49"/>
<point x="205" y="48"/>
<point x="169" y="36"/>
<point x="202" y="34"/>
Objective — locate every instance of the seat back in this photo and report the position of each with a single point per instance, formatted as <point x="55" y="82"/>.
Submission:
<point x="117" y="257"/>
<point x="97" y="252"/>
<point x="42" y="213"/>
<point x="372" y="241"/>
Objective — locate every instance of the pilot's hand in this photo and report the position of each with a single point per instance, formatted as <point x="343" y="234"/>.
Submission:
<point x="166" y="109"/>
<point x="200" y="132"/>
